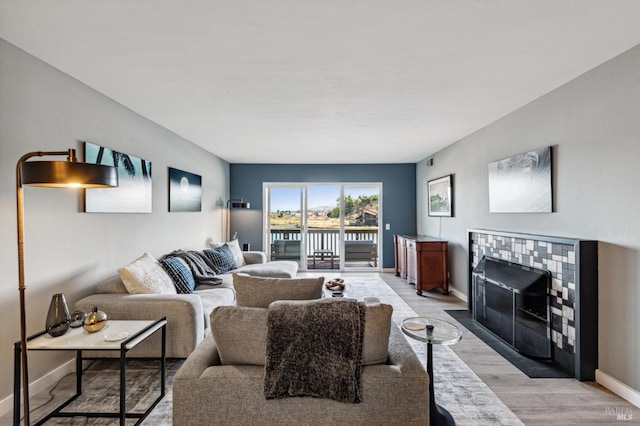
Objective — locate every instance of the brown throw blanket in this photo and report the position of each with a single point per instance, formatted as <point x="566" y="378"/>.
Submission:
<point x="314" y="348"/>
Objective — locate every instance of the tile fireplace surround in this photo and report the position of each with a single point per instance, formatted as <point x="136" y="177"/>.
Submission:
<point x="574" y="289"/>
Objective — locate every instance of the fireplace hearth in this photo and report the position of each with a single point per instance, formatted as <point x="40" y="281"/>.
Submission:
<point x="512" y="301"/>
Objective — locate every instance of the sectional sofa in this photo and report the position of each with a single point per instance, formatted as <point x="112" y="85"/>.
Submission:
<point x="187" y="314"/>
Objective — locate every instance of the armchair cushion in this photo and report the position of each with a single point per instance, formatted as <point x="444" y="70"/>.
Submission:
<point x="377" y="326"/>
<point x="259" y="292"/>
<point x="240" y="333"/>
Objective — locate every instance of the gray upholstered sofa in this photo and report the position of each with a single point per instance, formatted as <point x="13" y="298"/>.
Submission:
<point x="187" y="314"/>
<point x="223" y="381"/>
<point x="206" y="392"/>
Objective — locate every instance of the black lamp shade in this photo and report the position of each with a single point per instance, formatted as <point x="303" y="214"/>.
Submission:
<point x="68" y="174"/>
<point x="240" y="205"/>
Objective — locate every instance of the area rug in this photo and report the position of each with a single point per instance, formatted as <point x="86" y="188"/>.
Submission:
<point x="457" y="387"/>
<point x="536" y="369"/>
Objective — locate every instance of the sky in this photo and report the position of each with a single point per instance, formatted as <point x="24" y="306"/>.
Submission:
<point x="318" y="195"/>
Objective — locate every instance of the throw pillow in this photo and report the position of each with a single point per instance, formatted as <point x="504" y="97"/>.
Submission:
<point x="240" y="334"/>
<point x="259" y="292"/>
<point x="180" y="274"/>
<point x="221" y="258"/>
<point x="234" y="245"/>
<point x="146" y="276"/>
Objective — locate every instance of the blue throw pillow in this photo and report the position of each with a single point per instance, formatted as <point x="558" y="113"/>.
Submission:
<point x="221" y="258"/>
<point x="180" y="274"/>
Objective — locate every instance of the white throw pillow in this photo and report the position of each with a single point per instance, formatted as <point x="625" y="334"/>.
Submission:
<point x="145" y="275"/>
<point x="234" y="245"/>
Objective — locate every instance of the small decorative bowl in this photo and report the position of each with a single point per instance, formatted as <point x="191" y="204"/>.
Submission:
<point x="77" y="318"/>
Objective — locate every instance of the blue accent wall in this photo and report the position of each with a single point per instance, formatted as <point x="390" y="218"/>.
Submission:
<point x="398" y="195"/>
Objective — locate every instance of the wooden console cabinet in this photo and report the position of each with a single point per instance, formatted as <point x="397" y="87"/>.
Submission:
<point x="422" y="261"/>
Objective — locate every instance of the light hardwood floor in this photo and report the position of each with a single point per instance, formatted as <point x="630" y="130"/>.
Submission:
<point x="534" y="401"/>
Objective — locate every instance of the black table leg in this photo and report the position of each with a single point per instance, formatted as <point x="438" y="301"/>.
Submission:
<point x="17" y="368"/>
<point x="437" y="414"/>
<point x="123" y="385"/>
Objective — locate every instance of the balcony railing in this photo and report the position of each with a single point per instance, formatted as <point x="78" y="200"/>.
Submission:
<point x="286" y="243"/>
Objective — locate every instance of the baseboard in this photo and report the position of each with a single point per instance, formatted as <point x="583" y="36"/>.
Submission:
<point x="458" y="294"/>
<point x="41" y="384"/>
<point x="619" y="388"/>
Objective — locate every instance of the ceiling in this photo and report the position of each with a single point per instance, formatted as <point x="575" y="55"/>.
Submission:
<point x="325" y="81"/>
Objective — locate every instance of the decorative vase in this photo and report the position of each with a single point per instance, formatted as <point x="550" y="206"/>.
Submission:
<point x="77" y="318"/>
<point x="95" y="320"/>
<point x="58" y="319"/>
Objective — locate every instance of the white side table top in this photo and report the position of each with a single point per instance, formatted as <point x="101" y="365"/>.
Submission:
<point x="130" y="332"/>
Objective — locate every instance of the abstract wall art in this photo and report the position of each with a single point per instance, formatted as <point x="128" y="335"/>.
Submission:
<point x="185" y="191"/>
<point x="134" y="191"/>
<point x="522" y="183"/>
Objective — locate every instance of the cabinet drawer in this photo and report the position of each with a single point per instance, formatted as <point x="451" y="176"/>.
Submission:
<point x="433" y="247"/>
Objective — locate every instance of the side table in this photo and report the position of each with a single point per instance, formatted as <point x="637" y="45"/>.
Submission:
<point x="322" y="254"/>
<point x="119" y="336"/>
<point x="434" y="332"/>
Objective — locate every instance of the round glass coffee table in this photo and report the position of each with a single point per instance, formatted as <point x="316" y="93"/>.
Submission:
<point x="434" y="332"/>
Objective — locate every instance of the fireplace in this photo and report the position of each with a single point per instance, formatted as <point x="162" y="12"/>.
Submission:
<point x="512" y="301"/>
<point x="572" y="315"/>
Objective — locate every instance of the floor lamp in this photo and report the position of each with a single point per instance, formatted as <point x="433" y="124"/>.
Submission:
<point x="234" y="203"/>
<point x="49" y="174"/>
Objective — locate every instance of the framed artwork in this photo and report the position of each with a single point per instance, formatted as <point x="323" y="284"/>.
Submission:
<point x="134" y="191"/>
<point x="185" y="191"/>
<point x="440" y="197"/>
<point x="521" y="183"/>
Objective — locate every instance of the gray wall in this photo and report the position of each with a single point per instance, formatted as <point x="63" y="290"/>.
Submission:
<point x="67" y="250"/>
<point x="593" y="125"/>
<point x="398" y="194"/>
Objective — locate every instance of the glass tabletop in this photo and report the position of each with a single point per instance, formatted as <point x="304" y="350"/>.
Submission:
<point x="431" y="330"/>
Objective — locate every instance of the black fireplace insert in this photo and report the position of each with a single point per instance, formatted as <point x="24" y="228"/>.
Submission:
<point x="512" y="301"/>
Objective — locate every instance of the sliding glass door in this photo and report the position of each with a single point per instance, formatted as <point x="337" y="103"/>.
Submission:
<point x="284" y="223"/>
<point x="323" y="226"/>
<point x="361" y="231"/>
<point x="330" y="226"/>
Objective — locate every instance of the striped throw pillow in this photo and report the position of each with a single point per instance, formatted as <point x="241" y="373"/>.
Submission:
<point x="180" y="274"/>
<point x="221" y="258"/>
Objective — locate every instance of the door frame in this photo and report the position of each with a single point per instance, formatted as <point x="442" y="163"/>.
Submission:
<point x="304" y="230"/>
